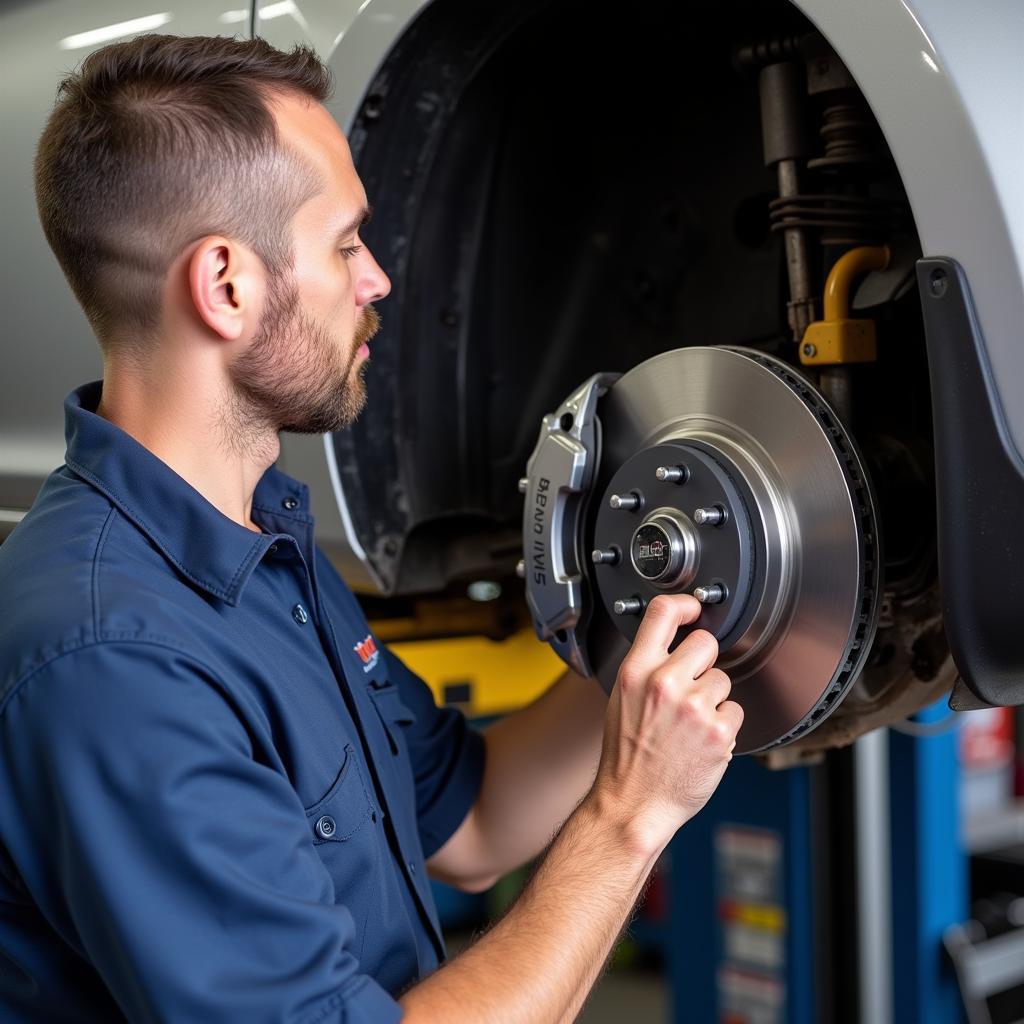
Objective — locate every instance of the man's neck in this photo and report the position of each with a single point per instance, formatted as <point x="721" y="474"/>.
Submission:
<point x="183" y="417"/>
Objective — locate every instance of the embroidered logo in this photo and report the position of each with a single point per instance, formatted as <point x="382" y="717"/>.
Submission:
<point x="368" y="653"/>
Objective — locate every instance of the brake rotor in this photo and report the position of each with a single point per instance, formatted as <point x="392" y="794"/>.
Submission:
<point x="720" y="472"/>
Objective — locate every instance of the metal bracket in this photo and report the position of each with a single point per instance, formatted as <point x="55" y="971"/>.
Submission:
<point x="557" y="483"/>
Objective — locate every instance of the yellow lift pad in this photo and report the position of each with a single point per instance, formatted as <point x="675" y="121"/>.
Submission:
<point x="484" y="677"/>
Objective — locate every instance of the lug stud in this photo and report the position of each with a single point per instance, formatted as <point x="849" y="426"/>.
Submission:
<point x="712" y="516"/>
<point x="524" y="483"/>
<point x="628" y="606"/>
<point x="625" y="501"/>
<point x="672" y="474"/>
<point x="712" y="594"/>
<point x="610" y="556"/>
<point x="521" y="569"/>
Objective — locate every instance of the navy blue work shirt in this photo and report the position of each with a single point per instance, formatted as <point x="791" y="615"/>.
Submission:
<point x="217" y="791"/>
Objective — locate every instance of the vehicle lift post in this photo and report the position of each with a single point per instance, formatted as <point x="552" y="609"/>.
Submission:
<point x="863" y="891"/>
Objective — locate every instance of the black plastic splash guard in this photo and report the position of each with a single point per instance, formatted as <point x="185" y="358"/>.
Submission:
<point x="980" y="492"/>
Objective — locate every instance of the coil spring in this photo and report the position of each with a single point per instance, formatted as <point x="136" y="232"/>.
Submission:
<point x="841" y="219"/>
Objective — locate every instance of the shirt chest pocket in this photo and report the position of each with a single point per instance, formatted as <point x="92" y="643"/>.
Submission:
<point x="395" y="715"/>
<point x="345" y="809"/>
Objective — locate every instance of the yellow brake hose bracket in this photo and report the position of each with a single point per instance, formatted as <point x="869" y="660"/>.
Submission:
<point x="838" y="339"/>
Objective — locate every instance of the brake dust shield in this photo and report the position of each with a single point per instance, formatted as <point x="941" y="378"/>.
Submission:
<point x="720" y="472"/>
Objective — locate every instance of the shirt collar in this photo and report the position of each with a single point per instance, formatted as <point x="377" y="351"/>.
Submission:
<point x="211" y="550"/>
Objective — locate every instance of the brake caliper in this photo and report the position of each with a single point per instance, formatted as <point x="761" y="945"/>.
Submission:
<point x="557" y="485"/>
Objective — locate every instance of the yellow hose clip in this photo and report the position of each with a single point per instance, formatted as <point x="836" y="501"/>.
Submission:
<point x="837" y="339"/>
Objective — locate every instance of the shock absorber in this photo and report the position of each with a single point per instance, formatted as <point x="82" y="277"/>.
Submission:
<point x="782" y="87"/>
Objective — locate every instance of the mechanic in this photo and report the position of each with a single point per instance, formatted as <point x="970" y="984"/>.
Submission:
<point x="220" y="798"/>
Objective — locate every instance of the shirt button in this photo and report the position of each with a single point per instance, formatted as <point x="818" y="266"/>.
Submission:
<point x="273" y="549"/>
<point x="300" y="615"/>
<point x="412" y="868"/>
<point x="325" y="827"/>
<point x="290" y="503"/>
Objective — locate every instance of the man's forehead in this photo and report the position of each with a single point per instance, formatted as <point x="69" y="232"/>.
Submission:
<point x="308" y="129"/>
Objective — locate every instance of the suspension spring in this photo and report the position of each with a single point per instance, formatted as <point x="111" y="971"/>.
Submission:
<point x="841" y="219"/>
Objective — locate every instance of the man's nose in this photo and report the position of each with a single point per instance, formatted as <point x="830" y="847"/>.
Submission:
<point x="373" y="284"/>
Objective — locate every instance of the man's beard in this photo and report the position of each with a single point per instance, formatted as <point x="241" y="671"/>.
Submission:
<point x="293" y="376"/>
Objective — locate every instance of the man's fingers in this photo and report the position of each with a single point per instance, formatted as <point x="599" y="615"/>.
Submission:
<point x="732" y="713"/>
<point x="664" y="615"/>
<point x="715" y="685"/>
<point x="695" y="655"/>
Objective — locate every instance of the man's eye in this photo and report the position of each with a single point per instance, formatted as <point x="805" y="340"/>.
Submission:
<point x="350" y="250"/>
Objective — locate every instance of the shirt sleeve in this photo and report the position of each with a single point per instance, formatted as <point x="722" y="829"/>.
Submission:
<point x="163" y="844"/>
<point x="447" y="757"/>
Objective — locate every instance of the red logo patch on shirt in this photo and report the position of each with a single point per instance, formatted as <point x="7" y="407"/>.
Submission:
<point x="367" y="651"/>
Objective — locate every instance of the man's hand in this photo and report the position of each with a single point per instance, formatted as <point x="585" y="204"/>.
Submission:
<point x="669" y="733"/>
<point x="670" y="729"/>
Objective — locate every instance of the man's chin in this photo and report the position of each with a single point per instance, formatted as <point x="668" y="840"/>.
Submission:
<point x="327" y="419"/>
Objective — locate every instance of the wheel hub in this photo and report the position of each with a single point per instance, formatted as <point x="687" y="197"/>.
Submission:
<point x="723" y="473"/>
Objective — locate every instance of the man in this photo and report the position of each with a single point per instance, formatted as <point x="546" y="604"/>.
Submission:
<point x="212" y="808"/>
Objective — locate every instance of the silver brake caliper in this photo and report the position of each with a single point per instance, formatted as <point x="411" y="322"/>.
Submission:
<point x="557" y="483"/>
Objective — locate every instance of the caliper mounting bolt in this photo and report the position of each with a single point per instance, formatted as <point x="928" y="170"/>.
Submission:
<point x="672" y="474"/>
<point x="711" y="594"/>
<point x="628" y="606"/>
<point x="626" y="501"/>
<point x="713" y="516"/>
<point x="524" y="483"/>
<point x="521" y="569"/>
<point x="610" y="556"/>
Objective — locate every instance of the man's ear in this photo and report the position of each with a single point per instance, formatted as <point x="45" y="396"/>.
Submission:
<point x="224" y="286"/>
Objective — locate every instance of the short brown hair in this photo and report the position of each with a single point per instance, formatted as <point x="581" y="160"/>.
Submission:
<point x="157" y="142"/>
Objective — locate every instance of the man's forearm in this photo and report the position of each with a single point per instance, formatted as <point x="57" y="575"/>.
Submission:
<point x="538" y="964"/>
<point x="540" y="763"/>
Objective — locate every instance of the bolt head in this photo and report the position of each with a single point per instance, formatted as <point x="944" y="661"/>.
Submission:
<point x="938" y="282"/>
<point x="810" y="350"/>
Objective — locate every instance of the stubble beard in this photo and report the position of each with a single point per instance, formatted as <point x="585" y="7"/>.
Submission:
<point x="293" y="376"/>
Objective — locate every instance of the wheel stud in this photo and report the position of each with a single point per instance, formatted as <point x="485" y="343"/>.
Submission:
<point x="610" y="556"/>
<point x="524" y="482"/>
<point x="628" y="606"/>
<point x="712" y="516"/>
<point x="521" y="569"/>
<point x="712" y="594"/>
<point x="672" y="474"/>
<point x="625" y="501"/>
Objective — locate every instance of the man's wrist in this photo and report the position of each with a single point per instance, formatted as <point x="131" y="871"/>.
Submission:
<point x="637" y="836"/>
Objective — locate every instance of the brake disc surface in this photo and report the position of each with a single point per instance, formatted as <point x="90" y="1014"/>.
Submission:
<point x="721" y="471"/>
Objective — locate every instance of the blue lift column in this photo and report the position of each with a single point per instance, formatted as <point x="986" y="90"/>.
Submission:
<point x="749" y="942"/>
<point x="741" y="944"/>
<point x="930" y="870"/>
